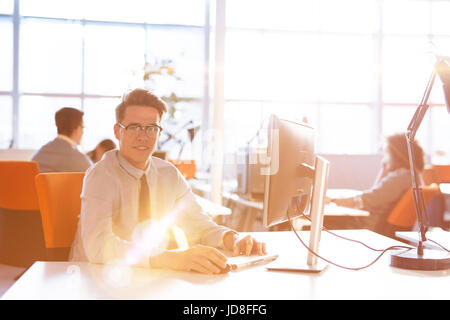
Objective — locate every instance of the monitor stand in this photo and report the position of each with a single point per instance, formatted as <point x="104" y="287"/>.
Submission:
<point x="313" y="264"/>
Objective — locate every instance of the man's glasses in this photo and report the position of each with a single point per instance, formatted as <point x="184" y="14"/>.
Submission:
<point x="135" y="129"/>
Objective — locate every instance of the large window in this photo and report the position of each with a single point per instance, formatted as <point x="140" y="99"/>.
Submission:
<point x="6" y="121"/>
<point x="50" y="56"/>
<point x="6" y="54"/>
<point x="77" y="54"/>
<point x="354" y="69"/>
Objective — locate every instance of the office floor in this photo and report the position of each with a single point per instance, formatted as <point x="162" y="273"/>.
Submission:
<point x="7" y="277"/>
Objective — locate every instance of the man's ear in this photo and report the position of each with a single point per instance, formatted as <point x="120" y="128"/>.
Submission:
<point x="116" y="131"/>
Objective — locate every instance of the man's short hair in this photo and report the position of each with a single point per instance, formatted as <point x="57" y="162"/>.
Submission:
<point x="67" y="120"/>
<point x="140" y="97"/>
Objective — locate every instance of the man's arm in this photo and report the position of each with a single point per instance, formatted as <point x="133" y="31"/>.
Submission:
<point x="199" y="258"/>
<point x="205" y="259"/>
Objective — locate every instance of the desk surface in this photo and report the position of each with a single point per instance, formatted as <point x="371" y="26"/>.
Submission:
<point x="330" y="209"/>
<point x="212" y="208"/>
<point x="68" y="280"/>
<point x="445" y="188"/>
<point x="442" y="237"/>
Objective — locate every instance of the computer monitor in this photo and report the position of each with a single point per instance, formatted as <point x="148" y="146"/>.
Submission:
<point x="295" y="172"/>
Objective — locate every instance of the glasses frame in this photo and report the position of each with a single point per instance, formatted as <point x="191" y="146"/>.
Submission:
<point x="141" y="128"/>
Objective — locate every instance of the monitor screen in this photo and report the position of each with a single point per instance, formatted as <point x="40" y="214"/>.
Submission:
<point x="290" y="144"/>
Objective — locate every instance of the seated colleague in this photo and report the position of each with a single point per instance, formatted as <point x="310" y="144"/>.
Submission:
<point x="62" y="154"/>
<point x="130" y="199"/>
<point x="100" y="149"/>
<point x="392" y="182"/>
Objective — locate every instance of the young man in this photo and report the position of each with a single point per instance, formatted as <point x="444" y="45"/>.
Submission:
<point x="131" y="199"/>
<point x="62" y="154"/>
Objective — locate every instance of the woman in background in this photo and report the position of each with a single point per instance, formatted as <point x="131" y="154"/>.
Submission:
<point x="392" y="182"/>
<point x="104" y="146"/>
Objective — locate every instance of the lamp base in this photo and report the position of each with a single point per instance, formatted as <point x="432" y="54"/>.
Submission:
<point x="431" y="260"/>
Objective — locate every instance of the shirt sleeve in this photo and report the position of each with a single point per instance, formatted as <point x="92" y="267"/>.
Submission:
<point x="383" y="196"/>
<point x="100" y="243"/>
<point x="197" y="225"/>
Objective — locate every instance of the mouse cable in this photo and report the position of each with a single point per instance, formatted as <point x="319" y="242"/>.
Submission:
<point x="337" y="265"/>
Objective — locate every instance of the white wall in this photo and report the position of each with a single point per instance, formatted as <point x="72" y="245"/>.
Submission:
<point x="353" y="171"/>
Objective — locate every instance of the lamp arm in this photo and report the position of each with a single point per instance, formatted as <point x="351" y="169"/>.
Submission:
<point x="419" y="202"/>
<point x="422" y="108"/>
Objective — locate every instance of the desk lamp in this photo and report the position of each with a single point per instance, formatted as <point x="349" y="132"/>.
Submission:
<point x="424" y="259"/>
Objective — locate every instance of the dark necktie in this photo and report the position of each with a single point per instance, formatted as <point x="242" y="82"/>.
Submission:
<point x="144" y="200"/>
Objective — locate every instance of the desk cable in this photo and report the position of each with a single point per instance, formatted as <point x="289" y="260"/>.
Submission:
<point x="383" y="251"/>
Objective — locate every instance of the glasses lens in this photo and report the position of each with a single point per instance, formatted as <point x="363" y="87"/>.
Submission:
<point x="151" y="130"/>
<point x="134" y="129"/>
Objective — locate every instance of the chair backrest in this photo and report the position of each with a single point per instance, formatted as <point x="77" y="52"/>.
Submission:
<point x="60" y="203"/>
<point x="404" y="213"/>
<point x="17" y="188"/>
<point x="187" y="168"/>
<point x="442" y="173"/>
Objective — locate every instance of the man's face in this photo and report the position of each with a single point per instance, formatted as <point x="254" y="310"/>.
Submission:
<point x="137" y="147"/>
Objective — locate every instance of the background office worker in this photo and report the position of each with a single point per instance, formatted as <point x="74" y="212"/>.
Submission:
<point x="130" y="199"/>
<point x="62" y="154"/>
<point x="392" y="182"/>
<point x="103" y="146"/>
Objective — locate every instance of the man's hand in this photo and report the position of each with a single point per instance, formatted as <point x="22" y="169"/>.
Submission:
<point x="345" y="202"/>
<point x="243" y="245"/>
<point x="200" y="258"/>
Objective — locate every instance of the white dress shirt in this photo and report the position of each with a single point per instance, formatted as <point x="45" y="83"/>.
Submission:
<point x="108" y="228"/>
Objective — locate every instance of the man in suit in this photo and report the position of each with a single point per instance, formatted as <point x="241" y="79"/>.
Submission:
<point x="62" y="154"/>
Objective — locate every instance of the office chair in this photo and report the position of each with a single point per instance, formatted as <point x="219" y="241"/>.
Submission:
<point x="186" y="167"/>
<point x="404" y="215"/>
<point x="60" y="204"/>
<point x="442" y="173"/>
<point x="21" y="234"/>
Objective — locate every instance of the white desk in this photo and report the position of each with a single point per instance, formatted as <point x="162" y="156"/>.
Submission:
<point x="212" y="208"/>
<point x="330" y="209"/>
<point x="445" y="188"/>
<point x="440" y="236"/>
<point x="66" y="280"/>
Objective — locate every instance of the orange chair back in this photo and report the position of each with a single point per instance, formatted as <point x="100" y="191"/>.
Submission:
<point x="17" y="188"/>
<point x="442" y="173"/>
<point x="60" y="203"/>
<point x="404" y="213"/>
<point x="186" y="167"/>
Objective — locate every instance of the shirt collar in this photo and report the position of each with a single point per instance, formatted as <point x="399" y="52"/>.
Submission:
<point x="132" y="170"/>
<point x="66" y="138"/>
